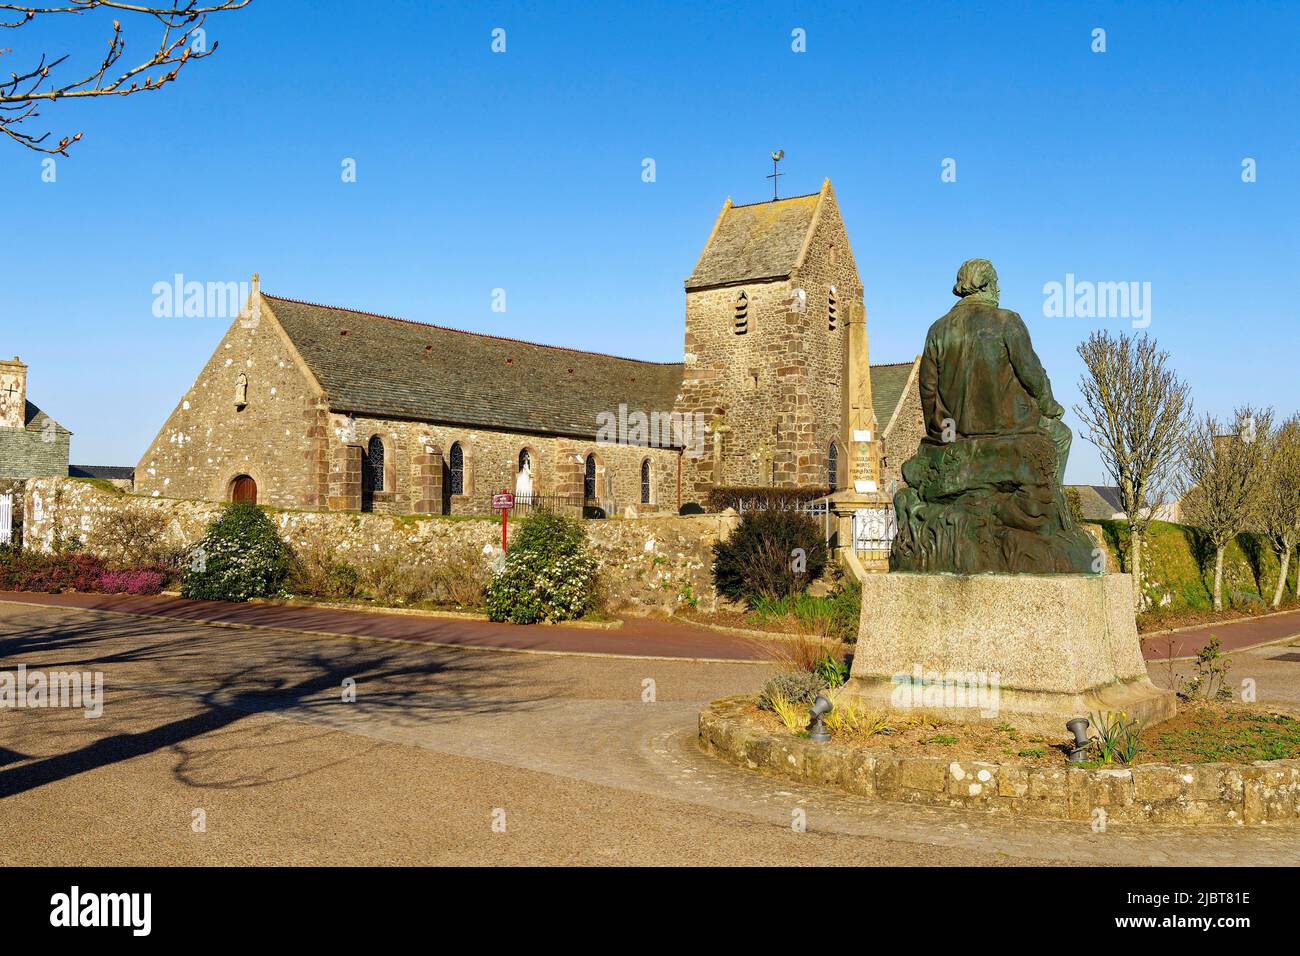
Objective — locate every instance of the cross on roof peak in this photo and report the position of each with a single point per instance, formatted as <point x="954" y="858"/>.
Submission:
<point x="777" y="156"/>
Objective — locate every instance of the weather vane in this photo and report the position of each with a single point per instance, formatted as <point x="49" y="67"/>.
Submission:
<point x="776" y="158"/>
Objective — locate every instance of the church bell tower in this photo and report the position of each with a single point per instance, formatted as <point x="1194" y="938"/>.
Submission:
<point x="767" y="353"/>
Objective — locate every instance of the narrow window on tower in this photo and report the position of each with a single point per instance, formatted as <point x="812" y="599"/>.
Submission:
<point x="832" y="311"/>
<point x="833" y="467"/>
<point x="742" y="313"/>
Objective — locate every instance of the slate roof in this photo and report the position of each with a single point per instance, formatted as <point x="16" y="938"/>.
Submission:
<point x="1099" y="502"/>
<point x="107" y="472"/>
<point x="34" y="420"/>
<point x="758" y="241"/>
<point x="887" y="385"/>
<point x="395" y="368"/>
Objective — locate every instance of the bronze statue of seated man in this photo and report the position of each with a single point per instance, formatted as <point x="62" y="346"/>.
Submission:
<point x="984" y="488"/>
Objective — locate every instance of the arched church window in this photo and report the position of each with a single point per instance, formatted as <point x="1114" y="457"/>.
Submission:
<point x="832" y="310"/>
<point x="589" y="479"/>
<point x="372" y="477"/>
<point x="742" y="313"/>
<point x="524" y="476"/>
<point x="832" y="466"/>
<point x="645" y="482"/>
<point x="456" y="469"/>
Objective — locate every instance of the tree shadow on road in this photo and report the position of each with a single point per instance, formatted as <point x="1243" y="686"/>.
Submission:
<point x="241" y="674"/>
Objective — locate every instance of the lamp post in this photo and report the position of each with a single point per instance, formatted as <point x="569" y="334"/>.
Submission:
<point x="817" y="729"/>
<point x="1079" y="727"/>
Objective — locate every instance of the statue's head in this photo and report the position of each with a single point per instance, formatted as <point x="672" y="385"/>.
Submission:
<point x="977" y="278"/>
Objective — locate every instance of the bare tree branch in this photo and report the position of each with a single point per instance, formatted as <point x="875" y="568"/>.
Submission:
<point x="1280" y="498"/>
<point x="21" y="94"/>
<point x="1225" y="472"/>
<point x="1136" y="411"/>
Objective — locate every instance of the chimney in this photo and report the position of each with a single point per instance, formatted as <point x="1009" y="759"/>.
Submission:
<point x="13" y="393"/>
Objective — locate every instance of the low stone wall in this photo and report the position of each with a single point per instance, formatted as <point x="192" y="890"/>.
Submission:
<point x="648" y="564"/>
<point x="1208" y="793"/>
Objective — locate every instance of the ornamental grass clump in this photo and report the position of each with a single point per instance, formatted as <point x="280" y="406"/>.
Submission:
<point x="240" y="557"/>
<point x="549" y="574"/>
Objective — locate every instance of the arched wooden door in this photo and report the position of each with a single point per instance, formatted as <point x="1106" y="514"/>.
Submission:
<point x="244" y="490"/>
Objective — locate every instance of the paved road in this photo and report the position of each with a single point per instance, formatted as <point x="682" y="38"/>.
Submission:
<point x="637" y="637"/>
<point x="1234" y="635"/>
<point x="250" y="726"/>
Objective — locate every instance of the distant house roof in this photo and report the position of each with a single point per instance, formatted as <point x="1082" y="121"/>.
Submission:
<point x="888" y="385"/>
<point x="759" y="241"/>
<point x="107" y="472"/>
<point x="395" y="368"/>
<point x="1099" y="502"/>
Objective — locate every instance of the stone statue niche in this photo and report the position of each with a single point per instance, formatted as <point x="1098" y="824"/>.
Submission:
<point x="984" y="488"/>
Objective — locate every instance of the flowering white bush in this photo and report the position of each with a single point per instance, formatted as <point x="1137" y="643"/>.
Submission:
<point x="549" y="573"/>
<point x="240" y="557"/>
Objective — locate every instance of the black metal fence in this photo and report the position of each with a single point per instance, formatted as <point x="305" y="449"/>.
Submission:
<point x="574" y="505"/>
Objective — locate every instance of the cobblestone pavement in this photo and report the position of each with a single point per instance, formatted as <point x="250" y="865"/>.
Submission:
<point x="251" y="728"/>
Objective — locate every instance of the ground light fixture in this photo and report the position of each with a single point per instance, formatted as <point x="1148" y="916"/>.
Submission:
<point x="817" y="729"/>
<point x="1079" y="727"/>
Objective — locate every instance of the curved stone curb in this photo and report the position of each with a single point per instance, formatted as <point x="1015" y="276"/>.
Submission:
<point x="761" y="635"/>
<point x="416" y="612"/>
<point x="1210" y="793"/>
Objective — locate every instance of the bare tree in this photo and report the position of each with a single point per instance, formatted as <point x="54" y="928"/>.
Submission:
<point x="1226" y="468"/>
<point x="1280" y="497"/>
<point x="182" y="41"/>
<point x="1136" y="411"/>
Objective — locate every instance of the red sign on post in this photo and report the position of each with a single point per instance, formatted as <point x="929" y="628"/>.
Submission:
<point x="503" y="502"/>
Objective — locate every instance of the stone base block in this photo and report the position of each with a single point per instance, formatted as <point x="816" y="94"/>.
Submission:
<point x="1030" y="650"/>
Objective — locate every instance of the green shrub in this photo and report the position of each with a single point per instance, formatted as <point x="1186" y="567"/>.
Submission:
<point x="760" y="559"/>
<point x="240" y="557"/>
<point x="549" y="574"/>
<point x="797" y="687"/>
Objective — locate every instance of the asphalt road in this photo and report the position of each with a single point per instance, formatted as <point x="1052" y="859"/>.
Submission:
<point x="446" y="756"/>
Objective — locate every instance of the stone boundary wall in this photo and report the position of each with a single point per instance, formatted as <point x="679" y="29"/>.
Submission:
<point x="1265" y="792"/>
<point x="655" y="563"/>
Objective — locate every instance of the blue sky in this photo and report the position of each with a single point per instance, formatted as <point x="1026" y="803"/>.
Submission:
<point x="522" y="171"/>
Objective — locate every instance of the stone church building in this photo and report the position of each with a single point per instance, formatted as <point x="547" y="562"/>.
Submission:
<point x="320" y="407"/>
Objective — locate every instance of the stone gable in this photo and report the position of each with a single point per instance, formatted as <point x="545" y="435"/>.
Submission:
<point x="277" y="436"/>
